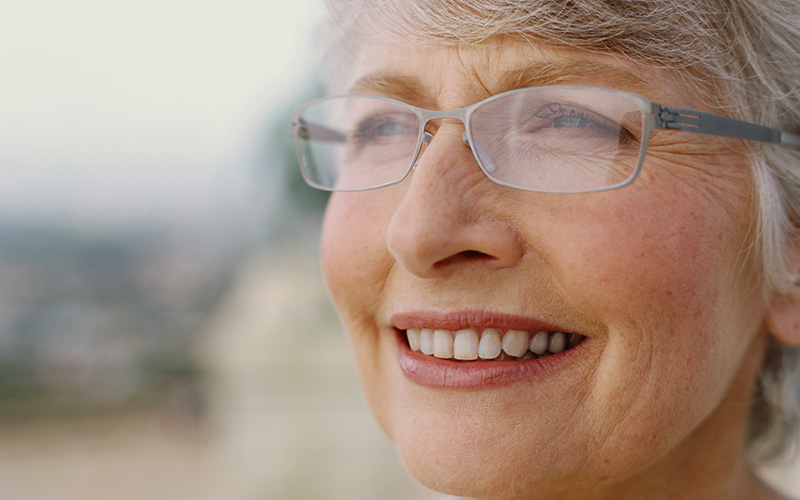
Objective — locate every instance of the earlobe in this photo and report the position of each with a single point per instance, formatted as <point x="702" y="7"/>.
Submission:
<point x="783" y="317"/>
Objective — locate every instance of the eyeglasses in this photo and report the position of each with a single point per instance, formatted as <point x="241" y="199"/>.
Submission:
<point x="556" y="139"/>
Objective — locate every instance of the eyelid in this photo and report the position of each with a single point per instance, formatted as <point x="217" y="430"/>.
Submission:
<point x="579" y="111"/>
<point x="363" y="127"/>
<point x="610" y="126"/>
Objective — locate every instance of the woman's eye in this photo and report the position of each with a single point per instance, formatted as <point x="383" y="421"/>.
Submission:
<point x="571" y="121"/>
<point x="383" y="127"/>
<point x="391" y="128"/>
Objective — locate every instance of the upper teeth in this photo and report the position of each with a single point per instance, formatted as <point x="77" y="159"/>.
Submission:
<point x="471" y="344"/>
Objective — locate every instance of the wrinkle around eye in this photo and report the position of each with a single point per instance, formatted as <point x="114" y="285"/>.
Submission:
<point x="722" y="178"/>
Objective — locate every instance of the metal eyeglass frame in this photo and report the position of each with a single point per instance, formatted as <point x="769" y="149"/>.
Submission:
<point x="656" y="116"/>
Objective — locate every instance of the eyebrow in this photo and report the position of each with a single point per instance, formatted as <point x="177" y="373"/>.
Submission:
<point x="402" y="87"/>
<point x="409" y="88"/>
<point x="537" y="75"/>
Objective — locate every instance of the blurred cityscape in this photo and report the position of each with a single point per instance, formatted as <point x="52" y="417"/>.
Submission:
<point x="145" y="366"/>
<point x="98" y="322"/>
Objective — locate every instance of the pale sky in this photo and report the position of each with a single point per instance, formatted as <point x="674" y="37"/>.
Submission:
<point x="116" y="109"/>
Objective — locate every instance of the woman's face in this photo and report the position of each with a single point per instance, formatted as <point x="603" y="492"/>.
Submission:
<point x="655" y="278"/>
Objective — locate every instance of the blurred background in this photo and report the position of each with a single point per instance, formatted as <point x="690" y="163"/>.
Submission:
<point x="164" y="330"/>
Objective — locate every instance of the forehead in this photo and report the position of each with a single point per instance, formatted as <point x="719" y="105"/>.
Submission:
<point x="414" y="73"/>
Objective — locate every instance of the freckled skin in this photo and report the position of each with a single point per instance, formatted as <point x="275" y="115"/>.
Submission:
<point x="653" y="274"/>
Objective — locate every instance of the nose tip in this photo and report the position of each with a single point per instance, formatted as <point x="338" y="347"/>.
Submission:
<point x="438" y="251"/>
<point x="450" y="216"/>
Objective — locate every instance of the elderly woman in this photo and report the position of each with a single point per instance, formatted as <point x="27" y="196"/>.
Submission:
<point x="565" y="238"/>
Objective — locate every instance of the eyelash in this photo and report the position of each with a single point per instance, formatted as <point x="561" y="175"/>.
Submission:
<point x="558" y="110"/>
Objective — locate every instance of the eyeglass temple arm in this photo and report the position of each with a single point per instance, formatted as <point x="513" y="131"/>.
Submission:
<point x="306" y="130"/>
<point x="706" y="123"/>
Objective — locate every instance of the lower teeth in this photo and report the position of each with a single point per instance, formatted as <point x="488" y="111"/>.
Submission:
<point x="528" y="355"/>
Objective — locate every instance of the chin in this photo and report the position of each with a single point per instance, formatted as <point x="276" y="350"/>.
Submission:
<point x="487" y="444"/>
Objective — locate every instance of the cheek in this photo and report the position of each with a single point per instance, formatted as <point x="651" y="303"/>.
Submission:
<point x="355" y="264"/>
<point x="647" y="253"/>
<point x="354" y="256"/>
<point x="667" y="278"/>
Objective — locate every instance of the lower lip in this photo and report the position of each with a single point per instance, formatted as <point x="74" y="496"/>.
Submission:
<point x="438" y="373"/>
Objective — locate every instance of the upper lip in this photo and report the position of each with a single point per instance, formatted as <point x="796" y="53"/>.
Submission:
<point x="471" y="318"/>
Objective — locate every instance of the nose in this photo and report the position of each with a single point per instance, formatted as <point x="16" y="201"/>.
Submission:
<point x="451" y="215"/>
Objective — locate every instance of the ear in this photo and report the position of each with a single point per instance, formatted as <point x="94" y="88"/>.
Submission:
<point x="783" y="317"/>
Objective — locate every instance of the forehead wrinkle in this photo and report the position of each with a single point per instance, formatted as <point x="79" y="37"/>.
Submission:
<point x="412" y="89"/>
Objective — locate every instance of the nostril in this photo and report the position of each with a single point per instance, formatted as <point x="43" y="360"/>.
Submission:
<point x="465" y="257"/>
<point x="473" y="254"/>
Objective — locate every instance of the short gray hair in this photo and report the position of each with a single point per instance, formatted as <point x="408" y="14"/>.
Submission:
<point x="739" y="55"/>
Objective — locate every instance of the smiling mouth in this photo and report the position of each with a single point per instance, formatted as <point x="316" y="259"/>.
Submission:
<point x="489" y="343"/>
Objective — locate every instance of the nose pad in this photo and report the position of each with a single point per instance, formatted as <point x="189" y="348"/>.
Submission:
<point x="479" y="152"/>
<point x="427" y="137"/>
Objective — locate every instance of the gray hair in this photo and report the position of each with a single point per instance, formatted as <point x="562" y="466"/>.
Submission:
<point x="739" y="55"/>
